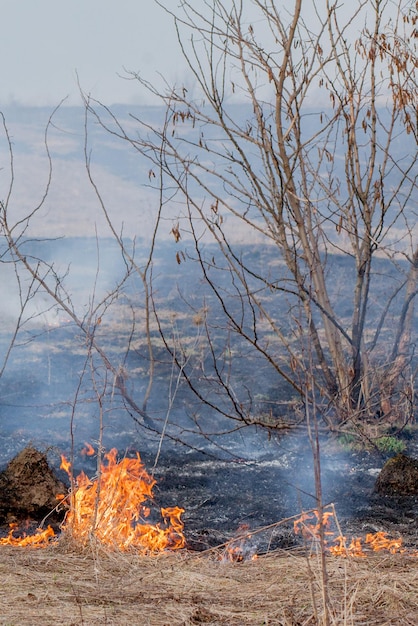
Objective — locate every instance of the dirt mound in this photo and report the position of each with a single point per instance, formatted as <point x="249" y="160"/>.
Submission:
<point x="28" y="488"/>
<point x="399" y="477"/>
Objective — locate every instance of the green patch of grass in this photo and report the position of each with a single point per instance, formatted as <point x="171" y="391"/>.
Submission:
<point x="390" y="444"/>
<point x="349" y="442"/>
<point x="387" y="444"/>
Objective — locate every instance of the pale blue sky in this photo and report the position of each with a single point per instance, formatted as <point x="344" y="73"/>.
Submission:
<point x="45" y="42"/>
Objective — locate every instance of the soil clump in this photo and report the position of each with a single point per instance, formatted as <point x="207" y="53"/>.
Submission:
<point x="399" y="477"/>
<point x="28" y="488"/>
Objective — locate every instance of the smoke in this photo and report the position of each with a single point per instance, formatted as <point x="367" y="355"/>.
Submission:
<point x="51" y="391"/>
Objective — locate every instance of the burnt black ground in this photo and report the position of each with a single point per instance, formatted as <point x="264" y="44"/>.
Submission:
<point x="220" y="495"/>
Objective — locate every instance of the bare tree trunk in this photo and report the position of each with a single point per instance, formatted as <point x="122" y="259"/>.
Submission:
<point x="401" y="351"/>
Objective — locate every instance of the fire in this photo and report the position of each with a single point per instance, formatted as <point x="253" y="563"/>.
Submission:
<point x="88" y="450"/>
<point x="112" y="508"/>
<point x="65" y="465"/>
<point x="379" y="541"/>
<point x="39" y="540"/>
<point x="341" y="548"/>
<point x="239" y="548"/>
<point x="308" y="525"/>
<point x="312" y="530"/>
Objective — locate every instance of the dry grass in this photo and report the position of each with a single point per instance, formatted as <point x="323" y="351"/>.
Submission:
<point x="60" y="585"/>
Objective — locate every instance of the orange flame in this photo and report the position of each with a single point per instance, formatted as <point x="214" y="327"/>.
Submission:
<point x="379" y="541"/>
<point x="239" y="548"/>
<point x="353" y="549"/>
<point x="308" y="525"/>
<point x="39" y="540"/>
<point x="312" y="530"/>
<point x="112" y="509"/>
<point x="65" y="465"/>
<point x="88" y="450"/>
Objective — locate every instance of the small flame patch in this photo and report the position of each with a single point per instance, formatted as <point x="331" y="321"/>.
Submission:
<point x="308" y="525"/>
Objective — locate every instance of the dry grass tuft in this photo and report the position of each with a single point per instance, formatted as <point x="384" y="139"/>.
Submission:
<point x="61" y="585"/>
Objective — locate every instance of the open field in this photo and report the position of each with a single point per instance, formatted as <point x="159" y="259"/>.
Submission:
<point x="66" y="586"/>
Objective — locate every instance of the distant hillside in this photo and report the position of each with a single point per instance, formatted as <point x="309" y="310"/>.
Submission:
<point x="121" y="174"/>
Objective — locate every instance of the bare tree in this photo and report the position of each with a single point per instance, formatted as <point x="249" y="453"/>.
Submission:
<point x="296" y="130"/>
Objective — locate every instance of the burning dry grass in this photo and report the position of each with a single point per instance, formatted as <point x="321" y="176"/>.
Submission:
<point x="63" y="585"/>
<point x="100" y="570"/>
